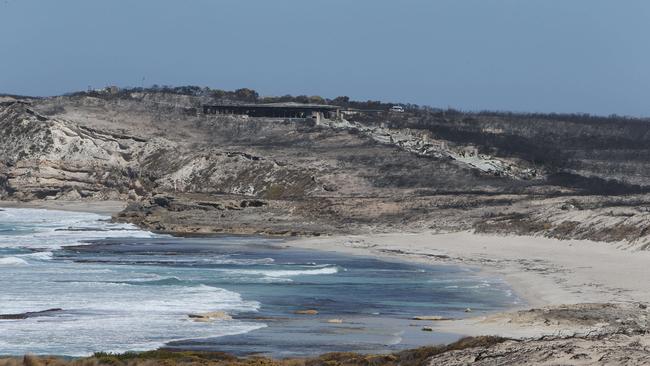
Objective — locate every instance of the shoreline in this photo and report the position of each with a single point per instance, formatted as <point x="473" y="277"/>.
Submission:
<point x="97" y="207"/>
<point x="536" y="267"/>
<point x="542" y="272"/>
<point x="356" y="331"/>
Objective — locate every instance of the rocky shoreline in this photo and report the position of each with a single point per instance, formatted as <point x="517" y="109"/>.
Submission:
<point x="581" y="332"/>
<point x="617" y="336"/>
<point x="563" y="225"/>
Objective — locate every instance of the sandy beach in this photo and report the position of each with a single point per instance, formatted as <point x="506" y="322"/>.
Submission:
<point x="543" y="272"/>
<point x="99" y="207"/>
<point x="432" y="183"/>
<point x="577" y="296"/>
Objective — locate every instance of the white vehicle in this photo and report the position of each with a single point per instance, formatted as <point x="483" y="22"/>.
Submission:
<point x="397" y="108"/>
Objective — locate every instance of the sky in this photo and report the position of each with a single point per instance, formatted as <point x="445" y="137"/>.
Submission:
<point x="578" y="56"/>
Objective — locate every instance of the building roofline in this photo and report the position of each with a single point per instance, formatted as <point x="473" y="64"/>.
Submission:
<point x="277" y="105"/>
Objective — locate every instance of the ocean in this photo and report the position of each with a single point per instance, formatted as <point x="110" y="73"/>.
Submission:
<point x="116" y="288"/>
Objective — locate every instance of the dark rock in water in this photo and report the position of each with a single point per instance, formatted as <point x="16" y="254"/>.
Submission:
<point x="208" y="317"/>
<point x="82" y="229"/>
<point x="29" y="314"/>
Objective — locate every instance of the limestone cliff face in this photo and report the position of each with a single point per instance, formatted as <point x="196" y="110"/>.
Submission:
<point x="379" y="173"/>
<point x="215" y="171"/>
<point x="43" y="157"/>
<point x="50" y="158"/>
<point x="24" y="132"/>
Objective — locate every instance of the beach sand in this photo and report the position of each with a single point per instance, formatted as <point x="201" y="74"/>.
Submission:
<point x="99" y="207"/>
<point x="542" y="271"/>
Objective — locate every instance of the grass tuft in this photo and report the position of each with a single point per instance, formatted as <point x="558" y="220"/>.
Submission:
<point x="413" y="357"/>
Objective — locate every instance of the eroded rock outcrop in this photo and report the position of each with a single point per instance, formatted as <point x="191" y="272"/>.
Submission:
<point x="49" y="158"/>
<point x="424" y="144"/>
<point x="306" y="177"/>
<point x="52" y="158"/>
<point x="580" y="334"/>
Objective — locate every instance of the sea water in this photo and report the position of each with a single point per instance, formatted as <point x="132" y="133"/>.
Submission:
<point x="123" y="289"/>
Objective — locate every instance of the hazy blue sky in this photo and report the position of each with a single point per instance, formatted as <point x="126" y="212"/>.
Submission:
<point x="524" y="55"/>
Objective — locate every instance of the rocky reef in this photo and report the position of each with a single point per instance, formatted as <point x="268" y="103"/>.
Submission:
<point x="618" y="336"/>
<point x="181" y="172"/>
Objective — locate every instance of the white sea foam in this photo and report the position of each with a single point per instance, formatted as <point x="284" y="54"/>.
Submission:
<point x="120" y="302"/>
<point x="285" y="273"/>
<point x="212" y="259"/>
<point x="110" y="316"/>
<point x="50" y="229"/>
<point x="229" y="260"/>
<point x="105" y="307"/>
<point x="396" y="338"/>
<point x="480" y="285"/>
<point x="39" y="256"/>
<point x="12" y="261"/>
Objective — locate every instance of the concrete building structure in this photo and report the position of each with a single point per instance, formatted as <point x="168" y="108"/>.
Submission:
<point x="276" y="110"/>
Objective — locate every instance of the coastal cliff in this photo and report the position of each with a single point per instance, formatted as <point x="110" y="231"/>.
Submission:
<point x="580" y="179"/>
<point x="185" y="172"/>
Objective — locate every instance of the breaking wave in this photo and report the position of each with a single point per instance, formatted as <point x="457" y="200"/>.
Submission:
<point x="286" y="273"/>
<point x="12" y="261"/>
<point x="99" y="300"/>
<point x="49" y="229"/>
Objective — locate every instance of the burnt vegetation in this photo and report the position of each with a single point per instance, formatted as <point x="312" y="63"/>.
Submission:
<point x="593" y="154"/>
<point x="585" y="153"/>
